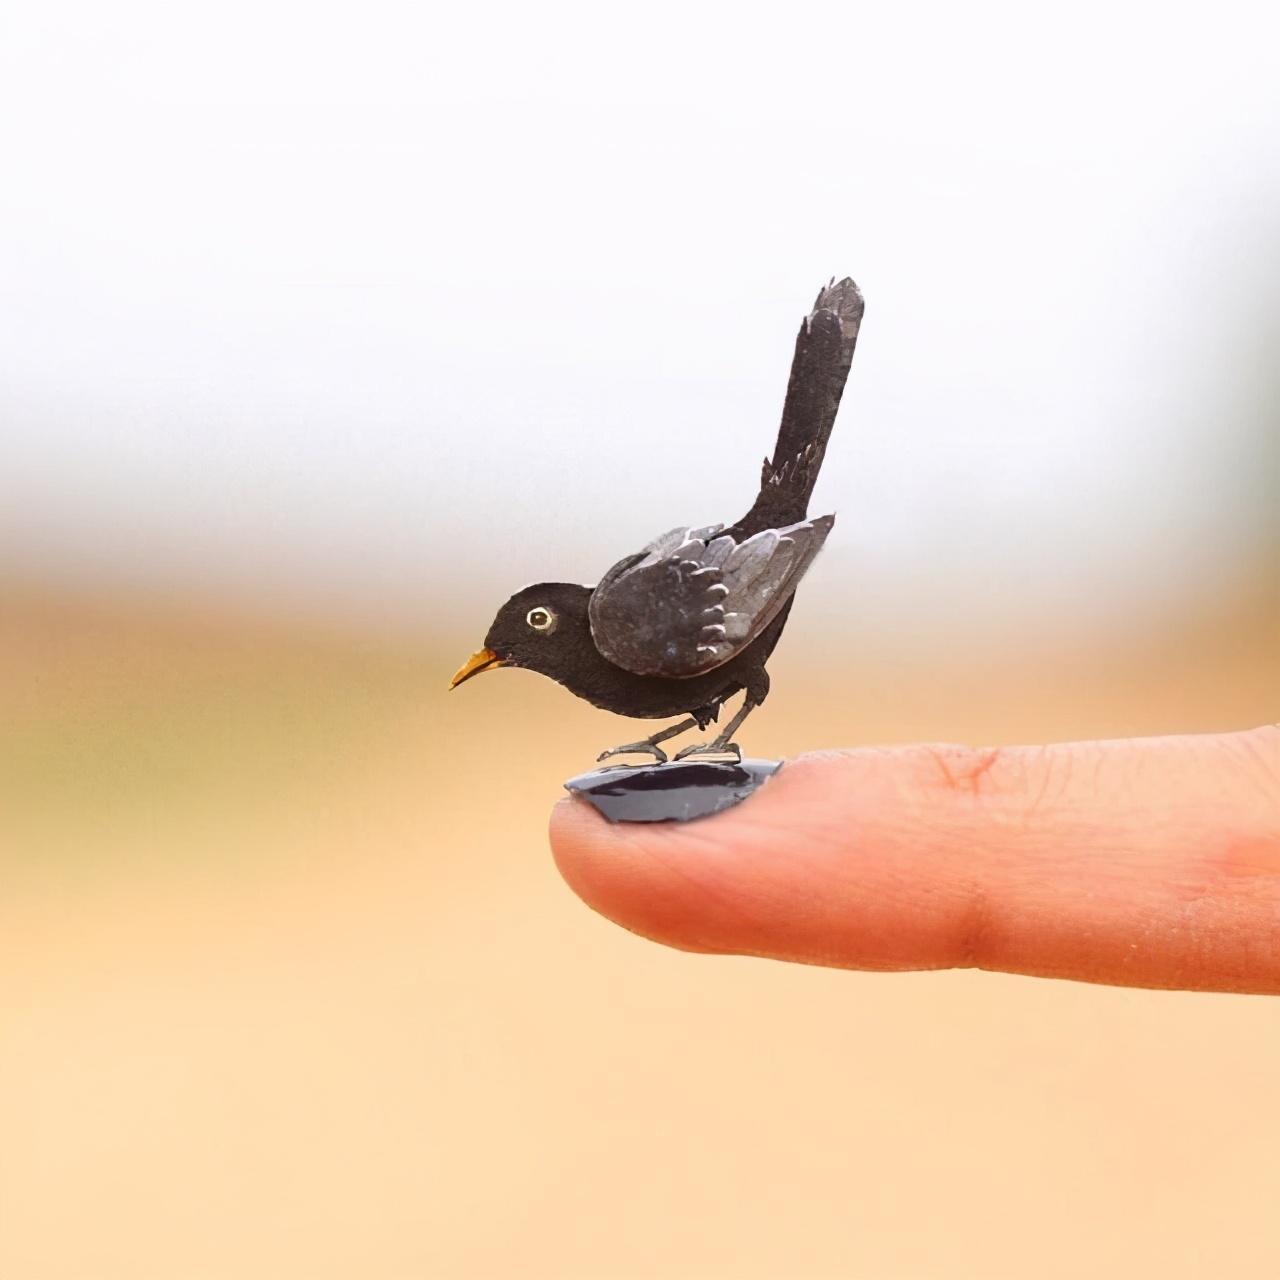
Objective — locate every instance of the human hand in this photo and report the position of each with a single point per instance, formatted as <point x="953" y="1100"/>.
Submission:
<point x="1148" y="862"/>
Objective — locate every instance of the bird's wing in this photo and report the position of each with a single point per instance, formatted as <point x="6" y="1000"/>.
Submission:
<point x="691" y="600"/>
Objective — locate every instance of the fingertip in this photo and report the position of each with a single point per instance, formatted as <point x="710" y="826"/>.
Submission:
<point x="822" y="864"/>
<point x="628" y="872"/>
<point x="727" y="883"/>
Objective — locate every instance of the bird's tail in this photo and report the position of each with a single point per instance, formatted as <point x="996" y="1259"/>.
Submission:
<point x="824" y="352"/>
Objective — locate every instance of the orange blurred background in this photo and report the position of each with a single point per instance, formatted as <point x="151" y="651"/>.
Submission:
<point x="289" y="986"/>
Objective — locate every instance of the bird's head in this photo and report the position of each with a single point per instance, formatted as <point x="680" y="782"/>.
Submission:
<point x="540" y="627"/>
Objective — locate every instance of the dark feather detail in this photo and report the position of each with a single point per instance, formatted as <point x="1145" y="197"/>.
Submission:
<point x="694" y="598"/>
<point x="819" y="369"/>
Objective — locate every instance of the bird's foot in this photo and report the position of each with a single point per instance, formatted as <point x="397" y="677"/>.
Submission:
<point x="716" y="748"/>
<point x="651" y="748"/>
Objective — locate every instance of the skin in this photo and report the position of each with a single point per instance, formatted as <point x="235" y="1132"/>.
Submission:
<point x="1149" y="863"/>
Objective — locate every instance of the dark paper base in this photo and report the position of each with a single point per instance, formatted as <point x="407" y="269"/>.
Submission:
<point x="676" y="792"/>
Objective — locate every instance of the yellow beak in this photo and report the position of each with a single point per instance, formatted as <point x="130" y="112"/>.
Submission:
<point x="482" y="660"/>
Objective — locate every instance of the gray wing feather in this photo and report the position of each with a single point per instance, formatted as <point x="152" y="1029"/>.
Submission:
<point x="691" y="600"/>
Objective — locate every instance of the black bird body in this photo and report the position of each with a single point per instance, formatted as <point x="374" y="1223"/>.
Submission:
<point x="684" y="624"/>
<point x="586" y="672"/>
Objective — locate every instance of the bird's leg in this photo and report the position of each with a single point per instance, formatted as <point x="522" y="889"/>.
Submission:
<point x="651" y="744"/>
<point x="724" y="744"/>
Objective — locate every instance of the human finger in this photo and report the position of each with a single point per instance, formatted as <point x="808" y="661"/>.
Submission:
<point x="1146" y="862"/>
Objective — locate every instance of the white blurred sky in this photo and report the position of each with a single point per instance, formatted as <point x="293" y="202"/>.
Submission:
<point x="401" y="306"/>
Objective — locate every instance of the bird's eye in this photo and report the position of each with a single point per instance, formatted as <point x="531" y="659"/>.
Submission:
<point x="541" y="619"/>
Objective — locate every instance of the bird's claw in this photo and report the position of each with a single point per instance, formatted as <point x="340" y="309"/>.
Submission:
<point x="650" y="748"/>
<point x="712" y="749"/>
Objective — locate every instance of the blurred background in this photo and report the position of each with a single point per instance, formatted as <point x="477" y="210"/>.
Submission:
<point x="325" y="328"/>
